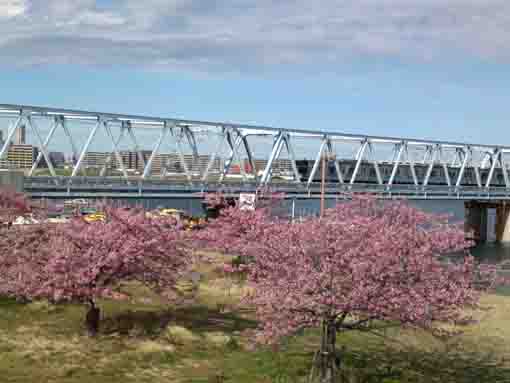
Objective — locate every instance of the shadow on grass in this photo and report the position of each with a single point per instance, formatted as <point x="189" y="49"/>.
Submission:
<point x="196" y="318"/>
<point x="421" y="366"/>
<point x="6" y="303"/>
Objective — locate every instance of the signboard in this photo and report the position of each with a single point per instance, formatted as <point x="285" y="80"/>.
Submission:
<point x="247" y="201"/>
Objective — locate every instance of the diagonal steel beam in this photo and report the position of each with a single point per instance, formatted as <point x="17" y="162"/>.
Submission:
<point x="83" y="153"/>
<point x="148" y="167"/>
<point x="361" y="150"/>
<point x="63" y="122"/>
<point x="458" y="158"/>
<point x="395" y="152"/>
<point x="233" y="143"/>
<point x="34" y="128"/>
<point x="292" y="155"/>
<point x="411" y="165"/>
<point x="504" y="169"/>
<point x="249" y="154"/>
<point x="240" y="160"/>
<point x="266" y="175"/>
<point x="317" y="162"/>
<point x="432" y="163"/>
<point x="214" y="156"/>
<point x="359" y="158"/>
<point x="398" y="157"/>
<point x="465" y="161"/>
<point x="109" y="158"/>
<point x="494" y="161"/>
<point x="279" y="146"/>
<point x="426" y="155"/>
<point x="178" y="138"/>
<point x="478" y="176"/>
<point x="337" y="165"/>
<point x="375" y="164"/>
<point x="115" y="150"/>
<point x="192" y="142"/>
<point x="54" y="126"/>
<point x="445" y="167"/>
<point x="10" y="135"/>
<point x="190" y="137"/>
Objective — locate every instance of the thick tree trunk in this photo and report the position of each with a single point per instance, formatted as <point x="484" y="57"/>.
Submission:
<point x="92" y="319"/>
<point x="326" y="365"/>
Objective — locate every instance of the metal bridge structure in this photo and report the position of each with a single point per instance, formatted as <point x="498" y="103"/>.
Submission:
<point x="120" y="155"/>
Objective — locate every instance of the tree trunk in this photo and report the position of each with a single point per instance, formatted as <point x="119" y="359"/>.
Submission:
<point x="326" y="364"/>
<point x="92" y="319"/>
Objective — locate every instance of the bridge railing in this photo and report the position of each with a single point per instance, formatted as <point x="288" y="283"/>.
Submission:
<point x="148" y="188"/>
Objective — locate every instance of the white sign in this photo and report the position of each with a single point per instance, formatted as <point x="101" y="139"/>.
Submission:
<point x="247" y="201"/>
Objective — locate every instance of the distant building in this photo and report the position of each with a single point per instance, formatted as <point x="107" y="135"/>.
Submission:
<point x="20" y="156"/>
<point x="95" y="159"/>
<point x="129" y="160"/>
<point x="21" y="135"/>
<point x="57" y="159"/>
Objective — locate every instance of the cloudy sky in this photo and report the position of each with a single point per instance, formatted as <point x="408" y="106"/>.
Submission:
<point x="424" y="68"/>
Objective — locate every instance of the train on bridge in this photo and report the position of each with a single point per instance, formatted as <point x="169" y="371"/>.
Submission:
<point x="367" y="173"/>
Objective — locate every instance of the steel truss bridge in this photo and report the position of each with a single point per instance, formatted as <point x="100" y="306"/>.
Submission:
<point x="121" y="155"/>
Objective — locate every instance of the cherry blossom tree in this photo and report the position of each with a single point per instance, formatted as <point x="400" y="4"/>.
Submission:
<point x="25" y="250"/>
<point x="22" y="247"/>
<point x="86" y="261"/>
<point x="364" y="264"/>
<point x="235" y="231"/>
<point x="12" y="205"/>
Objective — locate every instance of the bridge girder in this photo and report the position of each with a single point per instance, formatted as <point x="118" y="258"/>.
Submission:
<point x="376" y="160"/>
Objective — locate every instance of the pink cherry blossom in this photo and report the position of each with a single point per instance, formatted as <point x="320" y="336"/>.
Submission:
<point x="364" y="262"/>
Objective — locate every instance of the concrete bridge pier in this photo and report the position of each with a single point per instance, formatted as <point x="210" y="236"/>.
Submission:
<point x="503" y="223"/>
<point x="476" y="220"/>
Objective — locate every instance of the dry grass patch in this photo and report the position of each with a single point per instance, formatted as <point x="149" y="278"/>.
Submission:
<point x="28" y="342"/>
<point x="179" y="335"/>
<point x="150" y="346"/>
<point x="41" y="306"/>
<point x="218" y="339"/>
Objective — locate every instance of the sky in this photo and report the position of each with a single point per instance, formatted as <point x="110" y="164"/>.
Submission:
<point x="436" y="69"/>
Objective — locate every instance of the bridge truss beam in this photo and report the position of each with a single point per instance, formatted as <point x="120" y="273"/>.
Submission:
<point x="390" y="163"/>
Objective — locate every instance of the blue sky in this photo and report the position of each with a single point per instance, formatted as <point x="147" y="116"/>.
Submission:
<point x="431" y="69"/>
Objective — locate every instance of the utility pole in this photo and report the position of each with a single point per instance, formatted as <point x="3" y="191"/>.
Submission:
<point x="325" y="158"/>
<point x="323" y="183"/>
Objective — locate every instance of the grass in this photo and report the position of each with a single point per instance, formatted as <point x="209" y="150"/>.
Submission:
<point x="208" y="340"/>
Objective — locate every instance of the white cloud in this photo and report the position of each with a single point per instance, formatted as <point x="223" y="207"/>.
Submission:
<point x="98" y="19"/>
<point x="252" y="34"/>
<point x="12" y="8"/>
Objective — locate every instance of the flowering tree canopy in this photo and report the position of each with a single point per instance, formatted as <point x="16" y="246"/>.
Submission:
<point x="365" y="261"/>
<point x="12" y="204"/>
<point x="91" y="258"/>
<point x="82" y="261"/>
<point x="25" y="251"/>
<point x="236" y="231"/>
<point x="18" y="243"/>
